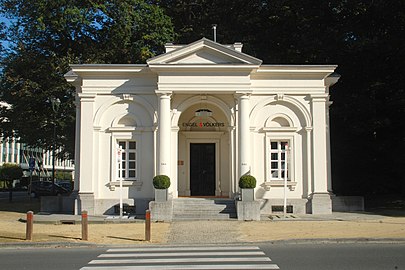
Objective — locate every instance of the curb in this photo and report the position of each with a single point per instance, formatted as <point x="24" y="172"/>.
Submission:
<point x="275" y="242"/>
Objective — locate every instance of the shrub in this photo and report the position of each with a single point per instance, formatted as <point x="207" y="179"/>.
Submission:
<point x="247" y="181"/>
<point x="161" y="182"/>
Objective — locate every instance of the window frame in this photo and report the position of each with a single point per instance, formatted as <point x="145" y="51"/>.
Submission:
<point x="125" y="161"/>
<point x="290" y="139"/>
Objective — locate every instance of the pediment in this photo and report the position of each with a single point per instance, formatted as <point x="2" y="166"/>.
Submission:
<point x="204" y="52"/>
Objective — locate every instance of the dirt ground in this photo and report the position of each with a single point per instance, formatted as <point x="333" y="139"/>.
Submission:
<point x="13" y="230"/>
<point x="378" y="227"/>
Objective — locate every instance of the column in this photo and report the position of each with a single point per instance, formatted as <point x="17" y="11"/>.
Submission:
<point x="86" y="176"/>
<point x="164" y="125"/>
<point x="77" y="146"/>
<point x="321" y="201"/>
<point x="244" y="134"/>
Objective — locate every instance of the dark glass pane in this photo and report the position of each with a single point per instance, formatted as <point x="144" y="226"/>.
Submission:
<point x="284" y="145"/>
<point x="122" y="145"/>
<point x="124" y="156"/>
<point x="123" y="164"/>
<point x="274" y="165"/>
<point x="123" y="174"/>
<point x="273" y="145"/>
<point x="282" y="156"/>
<point x="132" y="145"/>
<point x="132" y="156"/>
<point x="132" y="174"/>
<point x="131" y="165"/>
<point x="274" y="174"/>
<point x="274" y="156"/>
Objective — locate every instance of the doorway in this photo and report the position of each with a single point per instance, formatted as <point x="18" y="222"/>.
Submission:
<point x="202" y="169"/>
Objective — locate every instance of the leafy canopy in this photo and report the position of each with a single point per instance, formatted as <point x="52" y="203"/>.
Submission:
<point x="45" y="37"/>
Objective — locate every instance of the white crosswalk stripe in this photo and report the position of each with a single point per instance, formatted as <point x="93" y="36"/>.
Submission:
<point x="192" y="257"/>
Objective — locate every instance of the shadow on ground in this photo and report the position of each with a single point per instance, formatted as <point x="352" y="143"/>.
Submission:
<point x="385" y="205"/>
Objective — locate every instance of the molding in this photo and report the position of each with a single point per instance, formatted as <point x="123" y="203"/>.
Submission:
<point x="125" y="183"/>
<point x="278" y="183"/>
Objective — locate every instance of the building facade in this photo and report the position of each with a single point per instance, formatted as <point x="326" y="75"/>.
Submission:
<point x="204" y="114"/>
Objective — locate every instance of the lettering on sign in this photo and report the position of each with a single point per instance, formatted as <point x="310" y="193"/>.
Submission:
<point x="203" y="124"/>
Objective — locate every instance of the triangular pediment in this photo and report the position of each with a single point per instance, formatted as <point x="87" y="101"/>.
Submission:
<point x="204" y="52"/>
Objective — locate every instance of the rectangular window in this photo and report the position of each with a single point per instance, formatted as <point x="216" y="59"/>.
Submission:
<point x="128" y="162"/>
<point x="279" y="158"/>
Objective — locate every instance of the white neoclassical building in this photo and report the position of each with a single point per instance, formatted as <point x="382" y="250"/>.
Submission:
<point x="204" y="114"/>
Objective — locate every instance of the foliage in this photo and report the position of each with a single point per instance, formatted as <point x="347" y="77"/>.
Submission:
<point x="365" y="38"/>
<point x="161" y="182"/>
<point x="247" y="181"/>
<point x="45" y="37"/>
<point x="10" y="172"/>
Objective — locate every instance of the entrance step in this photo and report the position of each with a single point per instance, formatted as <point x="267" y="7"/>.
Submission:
<point x="203" y="209"/>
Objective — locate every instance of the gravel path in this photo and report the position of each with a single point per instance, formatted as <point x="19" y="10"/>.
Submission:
<point x="192" y="232"/>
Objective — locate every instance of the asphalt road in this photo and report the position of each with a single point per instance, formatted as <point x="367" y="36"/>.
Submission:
<point x="286" y="256"/>
<point x="356" y="256"/>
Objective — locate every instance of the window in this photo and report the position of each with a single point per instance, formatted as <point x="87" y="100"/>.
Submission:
<point x="279" y="155"/>
<point x="128" y="162"/>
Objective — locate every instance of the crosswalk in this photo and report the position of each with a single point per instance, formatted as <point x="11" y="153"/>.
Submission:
<point x="182" y="257"/>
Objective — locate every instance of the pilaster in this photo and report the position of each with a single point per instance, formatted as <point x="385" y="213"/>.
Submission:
<point x="86" y="143"/>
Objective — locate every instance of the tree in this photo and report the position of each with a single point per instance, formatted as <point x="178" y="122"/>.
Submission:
<point x="10" y="172"/>
<point x="45" y="37"/>
<point x="365" y="38"/>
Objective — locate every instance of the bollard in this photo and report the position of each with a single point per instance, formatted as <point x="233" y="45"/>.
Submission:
<point x="85" y="226"/>
<point x="147" y="225"/>
<point x="30" y="222"/>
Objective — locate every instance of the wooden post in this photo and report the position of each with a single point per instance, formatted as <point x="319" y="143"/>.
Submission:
<point x="29" y="227"/>
<point x="85" y="226"/>
<point x="147" y="225"/>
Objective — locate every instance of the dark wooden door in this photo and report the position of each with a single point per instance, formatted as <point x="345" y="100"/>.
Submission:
<point x="202" y="169"/>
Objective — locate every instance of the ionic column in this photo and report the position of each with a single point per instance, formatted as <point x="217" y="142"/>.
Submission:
<point x="244" y="134"/>
<point x="164" y="125"/>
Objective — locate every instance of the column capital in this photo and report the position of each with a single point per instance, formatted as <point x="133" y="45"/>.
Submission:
<point x="319" y="97"/>
<point x="242" y="95"/>
<point x="163" y="94"/>
<point x="86" y="97"/>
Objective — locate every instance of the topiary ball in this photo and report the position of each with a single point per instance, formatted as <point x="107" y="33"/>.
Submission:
<point x="247" y="181"/>
<point x="161" y="182"/>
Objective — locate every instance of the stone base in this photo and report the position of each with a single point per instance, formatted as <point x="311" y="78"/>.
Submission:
<point x="85" y="202"/>
<point x="347" y="203"/>
<point x="299" y="205"/>
<point x="248" y="210"/>
<point x="321" y="203"/>
<point x="57" y="204"/>
<point x="161" y="211"/>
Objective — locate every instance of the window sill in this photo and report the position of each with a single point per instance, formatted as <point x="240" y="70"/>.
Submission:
<point x="125" y="183"/>
<point x="279" y="183"/>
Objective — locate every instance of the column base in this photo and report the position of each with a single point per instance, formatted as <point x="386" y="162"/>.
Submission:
<point x="85" y="202"/>
<point x="321" y="203"/>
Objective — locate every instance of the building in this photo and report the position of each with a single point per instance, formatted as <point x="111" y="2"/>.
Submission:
<point x="204" y="114"/>
<point x="16" y="152"/>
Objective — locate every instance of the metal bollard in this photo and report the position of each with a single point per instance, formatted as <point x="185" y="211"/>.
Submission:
<point x="85" y="226"/>
<point x="147" y="225"/>
<point x="29" y="227"/>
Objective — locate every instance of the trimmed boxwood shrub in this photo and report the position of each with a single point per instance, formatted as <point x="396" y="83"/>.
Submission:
<point x="161" y="182"/>
<point x="247" y="181"/>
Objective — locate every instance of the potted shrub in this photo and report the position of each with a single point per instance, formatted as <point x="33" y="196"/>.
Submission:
<point x="247" y="183"/>
<point x="161" y="183"/>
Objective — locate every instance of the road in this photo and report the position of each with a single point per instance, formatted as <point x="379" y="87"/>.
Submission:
<point x="263" y="256"/>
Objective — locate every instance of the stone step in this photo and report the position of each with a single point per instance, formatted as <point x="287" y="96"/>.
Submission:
<point x="203" y="209"/>
<point x="204" y="217"/>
